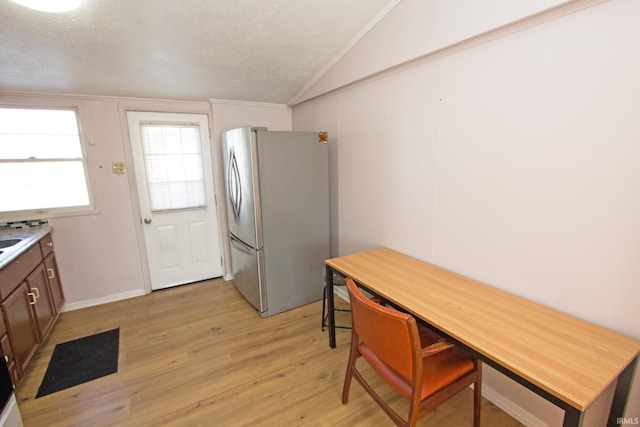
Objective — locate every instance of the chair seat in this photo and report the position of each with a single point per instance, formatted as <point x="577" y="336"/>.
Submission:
<point x="439" y="371"/>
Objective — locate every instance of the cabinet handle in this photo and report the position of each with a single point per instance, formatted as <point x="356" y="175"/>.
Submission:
<point x="50" y="244"/>
<point x="32" y="298"/>
<point x="50" y="273"/>
<point x="36" y="292"/>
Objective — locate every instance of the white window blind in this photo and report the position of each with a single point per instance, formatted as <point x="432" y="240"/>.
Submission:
<point x="173" y="163"/>
<point x="42" y="166"/>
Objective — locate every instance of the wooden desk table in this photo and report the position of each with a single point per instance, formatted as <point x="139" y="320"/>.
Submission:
<point x="566" y="360"/>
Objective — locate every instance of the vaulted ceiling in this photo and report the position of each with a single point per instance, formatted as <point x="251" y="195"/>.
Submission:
<point x="244" y="50"/>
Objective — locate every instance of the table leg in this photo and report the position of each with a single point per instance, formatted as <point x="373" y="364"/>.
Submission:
<point x="622" y="393"/>
<point x="572" y="417"/>
<point x="331" y="308"/>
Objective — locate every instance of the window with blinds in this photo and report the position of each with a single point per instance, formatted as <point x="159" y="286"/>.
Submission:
<point x="173" y="163"/>
<point x="42" y="163"/>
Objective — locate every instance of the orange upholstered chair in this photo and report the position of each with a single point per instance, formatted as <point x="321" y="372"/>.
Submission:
<point x="417" y="363"/>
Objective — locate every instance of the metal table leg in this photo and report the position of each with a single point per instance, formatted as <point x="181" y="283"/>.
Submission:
<point x="621" y="395"/>
<point x="572" y="417"/>
<point x="331" y="308"/>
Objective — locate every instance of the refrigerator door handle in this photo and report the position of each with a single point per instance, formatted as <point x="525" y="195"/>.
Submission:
<point x="235" y="189"/>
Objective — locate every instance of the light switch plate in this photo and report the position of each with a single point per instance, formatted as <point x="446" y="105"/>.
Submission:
<point x="118" y="167"/>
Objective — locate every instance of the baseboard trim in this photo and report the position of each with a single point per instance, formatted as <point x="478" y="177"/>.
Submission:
<point x="102" y="300"/>
<point x="516" y="411"/>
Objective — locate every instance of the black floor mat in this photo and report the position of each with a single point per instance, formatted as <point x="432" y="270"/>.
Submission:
<point x="82" y="360"/>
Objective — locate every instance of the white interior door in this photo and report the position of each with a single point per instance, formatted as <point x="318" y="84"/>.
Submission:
<point x="174" y="177"/>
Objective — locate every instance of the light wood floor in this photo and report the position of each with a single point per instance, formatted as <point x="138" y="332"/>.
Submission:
<point x="199" y="355"/>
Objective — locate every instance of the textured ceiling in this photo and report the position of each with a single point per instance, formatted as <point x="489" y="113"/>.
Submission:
<point x="246" y="50"/>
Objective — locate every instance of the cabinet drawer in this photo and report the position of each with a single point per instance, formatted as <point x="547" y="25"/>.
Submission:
<point x="46" y="245"/>
<point x="14" y="273"/>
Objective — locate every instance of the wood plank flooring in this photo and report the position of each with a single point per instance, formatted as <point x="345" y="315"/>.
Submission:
<point x="199" y="355"/>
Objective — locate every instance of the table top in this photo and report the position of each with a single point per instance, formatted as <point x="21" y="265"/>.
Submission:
<point x="570" y="358"/>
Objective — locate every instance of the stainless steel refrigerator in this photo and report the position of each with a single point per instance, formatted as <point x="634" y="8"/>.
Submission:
<point x="277" y="186"/>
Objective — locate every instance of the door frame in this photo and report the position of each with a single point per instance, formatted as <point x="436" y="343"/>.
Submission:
<point x="168" y="107"/>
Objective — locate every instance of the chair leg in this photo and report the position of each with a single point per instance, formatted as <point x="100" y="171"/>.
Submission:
<point x="395" y="417"/>
<point x="353" y="355"/>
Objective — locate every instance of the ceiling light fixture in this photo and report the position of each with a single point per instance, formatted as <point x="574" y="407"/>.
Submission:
<point x="54" y="6"/>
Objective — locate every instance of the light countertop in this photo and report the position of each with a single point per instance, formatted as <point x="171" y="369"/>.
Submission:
<point x="29" y="236"/>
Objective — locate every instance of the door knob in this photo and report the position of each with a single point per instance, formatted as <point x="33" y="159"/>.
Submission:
<point x="147" y="220"/>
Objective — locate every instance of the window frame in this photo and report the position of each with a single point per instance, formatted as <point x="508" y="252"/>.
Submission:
<point x="57" y="212"/>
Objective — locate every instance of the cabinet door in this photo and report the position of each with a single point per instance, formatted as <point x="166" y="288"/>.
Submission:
<point x="54" y="281"/>
<point x="21" y="325"/>
<point x="44" y="309"/>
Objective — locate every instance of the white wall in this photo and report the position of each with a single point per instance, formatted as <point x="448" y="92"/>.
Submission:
<point x="511" y="158"/>
<point x="431" y="26"/>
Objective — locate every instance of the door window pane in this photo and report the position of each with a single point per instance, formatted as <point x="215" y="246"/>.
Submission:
<point x="173" y="162"/>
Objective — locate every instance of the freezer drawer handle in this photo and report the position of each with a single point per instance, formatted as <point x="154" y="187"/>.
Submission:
<point x="241" y="246"/>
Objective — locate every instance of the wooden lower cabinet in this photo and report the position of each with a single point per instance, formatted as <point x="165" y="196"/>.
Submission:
<point x="31" y="301"/>
<point x="21" y="326"/>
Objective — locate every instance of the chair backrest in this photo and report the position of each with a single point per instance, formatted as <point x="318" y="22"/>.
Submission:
<point x="391" y="335"/>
